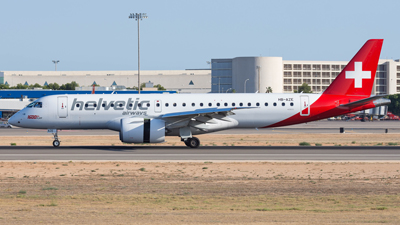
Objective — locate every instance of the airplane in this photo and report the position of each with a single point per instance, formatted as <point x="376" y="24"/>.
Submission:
<point x="148" y="118"/>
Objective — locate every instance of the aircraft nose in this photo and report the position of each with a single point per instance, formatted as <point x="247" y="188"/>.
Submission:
<point x="13" y="120"/>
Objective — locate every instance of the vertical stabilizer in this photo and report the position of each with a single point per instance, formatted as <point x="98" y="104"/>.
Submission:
<point x="358" y="77"/>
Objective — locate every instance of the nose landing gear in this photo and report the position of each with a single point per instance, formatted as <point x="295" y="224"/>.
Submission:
<point x="56" y="142"/>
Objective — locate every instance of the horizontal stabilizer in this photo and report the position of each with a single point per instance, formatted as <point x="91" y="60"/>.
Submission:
<point x="367" y="100"/>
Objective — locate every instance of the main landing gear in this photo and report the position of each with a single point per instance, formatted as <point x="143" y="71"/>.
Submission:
<point x="192" y="142"/>
<point x="56" y="142"/>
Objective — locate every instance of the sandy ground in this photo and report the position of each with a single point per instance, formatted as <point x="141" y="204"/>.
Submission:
<point x="208" y="192"/>
<point x="199" y="192"/>
<point x="219" y="140"/>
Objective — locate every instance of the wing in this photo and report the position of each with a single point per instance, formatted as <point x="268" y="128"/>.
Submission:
<point x="204" y="120"/>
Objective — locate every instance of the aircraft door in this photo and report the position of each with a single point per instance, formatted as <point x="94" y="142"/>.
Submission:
<point x="157" y="106"/>
<point x="62" y="108"/>
<point x="304" y="106"/>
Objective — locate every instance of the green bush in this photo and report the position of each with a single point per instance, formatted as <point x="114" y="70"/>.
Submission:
<point x="304" y="143"/>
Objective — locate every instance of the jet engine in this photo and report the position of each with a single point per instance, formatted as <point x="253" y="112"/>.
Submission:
<point x="139" y="130"/>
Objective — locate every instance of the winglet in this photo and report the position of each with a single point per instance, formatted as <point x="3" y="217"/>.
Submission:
<point x="358" y="77"/>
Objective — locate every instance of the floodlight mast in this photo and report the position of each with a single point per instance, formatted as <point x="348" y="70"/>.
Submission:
<point x="55" y="62"/>
<point x="138" y="17"/>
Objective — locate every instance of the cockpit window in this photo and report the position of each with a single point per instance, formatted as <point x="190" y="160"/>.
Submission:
<point x="35" y="105"/>
<point x="38" y="105"/>
<point x="31" y="105"/>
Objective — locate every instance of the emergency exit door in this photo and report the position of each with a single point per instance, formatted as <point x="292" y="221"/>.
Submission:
<point x="304" y="106"/>
<point x="62" y="108"/>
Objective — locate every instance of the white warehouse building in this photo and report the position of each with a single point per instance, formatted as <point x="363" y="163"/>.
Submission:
<point x="194" y="81"/>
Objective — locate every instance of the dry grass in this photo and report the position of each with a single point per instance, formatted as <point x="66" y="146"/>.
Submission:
<point x="185" y="193"/>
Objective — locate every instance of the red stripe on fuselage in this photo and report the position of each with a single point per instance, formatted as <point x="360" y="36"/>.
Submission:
<point x="326" y="106"/>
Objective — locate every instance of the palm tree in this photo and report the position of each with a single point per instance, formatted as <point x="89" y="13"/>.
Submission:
<point x="269" y="90"/>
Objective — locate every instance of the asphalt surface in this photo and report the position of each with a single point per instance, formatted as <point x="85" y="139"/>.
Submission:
<point x="323" y="126"/>
<point x="231" y="153"/>
<point x="296" y="153"/>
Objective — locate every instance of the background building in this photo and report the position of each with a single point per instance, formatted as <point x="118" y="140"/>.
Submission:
<point x="255" y="74"/>
<point x="240" y="74"/>
<point x="194" y="81"/>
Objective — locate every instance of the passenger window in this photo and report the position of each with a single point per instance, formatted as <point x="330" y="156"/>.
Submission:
<point x="148" y="104"/>
<point x="218" y="104"/>
<point x="120" y="105"/>
<point x="274" y="103"/>
<point x="112" y="104"/>
<point x="257" y="104"/>
<point x="201" y="104"/>
<point x="209" y="104"/>
<point x="266" y="104"/>
<point x="283" y="104"/>
<point x="233" y="104"/>
<point x="174" y="104"/>
<point x="193" y="104"/>
<point x="183" y="104"/>
<point x="139" y="105"/>
<point x="166" y="104"/>
<point x="226" y="104"/>
<point x="291" y="104"/>
<point x="249" y="104"/>
<point x="95" y="105"/>
<point x="158" y="104"/>
<point x="130" y="105"/>
<point x="103" y="105"/>
<point x="241" y="104"/>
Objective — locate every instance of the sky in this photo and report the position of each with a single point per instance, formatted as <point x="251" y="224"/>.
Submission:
<point x="185" y="34"/>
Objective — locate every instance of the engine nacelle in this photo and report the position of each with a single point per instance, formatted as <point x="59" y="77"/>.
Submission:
<point x="139" y="130"/>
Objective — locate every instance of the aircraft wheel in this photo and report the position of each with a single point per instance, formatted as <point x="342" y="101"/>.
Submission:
<point x="56" y="143"/>
<point x="192" y="142"/>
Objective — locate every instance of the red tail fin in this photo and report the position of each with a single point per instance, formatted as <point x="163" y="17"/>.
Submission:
<point x="93" y="90"/>
<point x="358" y="77"/>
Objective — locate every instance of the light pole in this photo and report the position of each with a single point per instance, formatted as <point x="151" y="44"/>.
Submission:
<point x="55" y="63"/>
<point x="245" y="85"/>
<point x="209" y="63"/>
<point x="228" y="90"/>
<point x="219" y="85"/>
<point x="138" y="17"/>
<point x="259" y="80"/>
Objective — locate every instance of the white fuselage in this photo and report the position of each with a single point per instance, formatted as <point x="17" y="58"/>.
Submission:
<point x="101" y="111"/>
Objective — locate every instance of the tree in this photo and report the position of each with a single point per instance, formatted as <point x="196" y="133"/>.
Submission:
<point x="4" y="86"/>
<point x="53" y="86"/>
<point x="20" y="86"/>
<point x="394" y="106"/>
<point x="304" y="88"/>
<point x="159" y="87"/>
<point x="36" y="85"/>
<point x="269" y="90"/>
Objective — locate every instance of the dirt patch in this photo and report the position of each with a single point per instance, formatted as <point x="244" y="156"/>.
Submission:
<point x="199" y="192"/>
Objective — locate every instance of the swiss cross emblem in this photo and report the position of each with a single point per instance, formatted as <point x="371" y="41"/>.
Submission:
<point x="358" y="74"/>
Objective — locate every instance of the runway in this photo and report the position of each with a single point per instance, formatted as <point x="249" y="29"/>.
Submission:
<point x="323" y="126"/>
<point x="229" y="153"/>
<point x="259" y="153"/>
